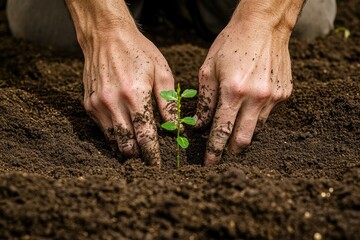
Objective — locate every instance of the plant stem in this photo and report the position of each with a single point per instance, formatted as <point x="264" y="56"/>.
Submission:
<point x="178" y="125"/>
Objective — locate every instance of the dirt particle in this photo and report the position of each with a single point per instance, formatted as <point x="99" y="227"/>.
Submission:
<point x="307" y="215"/>
<point x="317" y="236"/>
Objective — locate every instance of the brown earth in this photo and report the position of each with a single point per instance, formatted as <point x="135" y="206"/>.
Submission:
<point x="299" y="179"/>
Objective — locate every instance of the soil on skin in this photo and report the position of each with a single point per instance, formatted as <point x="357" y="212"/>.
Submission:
<point x="299" y="179"/>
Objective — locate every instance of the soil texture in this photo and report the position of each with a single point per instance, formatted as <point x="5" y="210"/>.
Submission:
<point x="299" y="179"/>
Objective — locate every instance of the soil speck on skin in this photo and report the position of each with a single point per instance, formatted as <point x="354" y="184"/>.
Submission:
<point x="146" y="132"/>
<point x="299" y="179"/>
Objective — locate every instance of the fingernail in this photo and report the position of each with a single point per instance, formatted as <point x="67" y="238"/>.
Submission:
<point x="197" y="120"/>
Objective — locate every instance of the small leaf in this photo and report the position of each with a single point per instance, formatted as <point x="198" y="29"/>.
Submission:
<point x="170" y="95"/>
<point x="347" y="34"/>
<point x="183" y="142"/>
<point x="170" y="126"/>
<point x="189" y="93"/>
<point x="346" y="31"/>
<point x="189" y="121"/>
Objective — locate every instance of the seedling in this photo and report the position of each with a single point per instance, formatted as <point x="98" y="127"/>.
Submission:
<point x="346" y="31"/>
<point x="175" y="96"/>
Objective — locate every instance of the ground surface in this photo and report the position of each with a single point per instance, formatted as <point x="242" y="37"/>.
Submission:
<point x="300" y="178"/>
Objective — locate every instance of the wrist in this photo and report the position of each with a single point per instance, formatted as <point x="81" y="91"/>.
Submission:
<point x="97" y="21"/>
<point x="273" y="16"/>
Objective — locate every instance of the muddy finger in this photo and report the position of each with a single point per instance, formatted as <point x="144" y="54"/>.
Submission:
<point x="221" y="130"/>
<point x="106" y="126"/>
<point x="126" y="141"/>
<point x="146" y="133"/>
<point x="208" y="94"/>
<point x="164" y="82"/>
<point x="244" y="128"/>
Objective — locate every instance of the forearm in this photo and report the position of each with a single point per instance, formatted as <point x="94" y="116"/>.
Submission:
<point x="272" y="15"/>
<point x="95" y="19"/>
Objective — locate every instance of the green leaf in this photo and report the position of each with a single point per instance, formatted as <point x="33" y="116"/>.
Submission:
<point x="346" y="31"/>
<point x="170" y="95"/>
<point x="170" y="126"/>
<point x="189" y="93"/>
<point x="183" y="142"/>
<point x="189" y="121"/>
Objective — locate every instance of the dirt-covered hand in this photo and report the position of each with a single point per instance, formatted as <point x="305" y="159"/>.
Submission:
<point x="246" y="73"/>
<point x="122" y="71"/>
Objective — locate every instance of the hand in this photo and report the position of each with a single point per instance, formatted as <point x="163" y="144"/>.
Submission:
<point x="122" y="70"/>
<point x="246" y="73"/>
<point x="119" y="78"/>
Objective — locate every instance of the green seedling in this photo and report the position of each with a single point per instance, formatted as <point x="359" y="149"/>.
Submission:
<point x="175" y="96"/>
<point x="346" y="31"/>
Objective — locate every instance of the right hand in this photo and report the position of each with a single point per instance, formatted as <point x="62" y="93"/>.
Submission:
<point x="246" y="73"/>
<point x="122" y="71"/>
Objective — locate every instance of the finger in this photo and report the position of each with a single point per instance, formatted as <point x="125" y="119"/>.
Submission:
<point x="103" y="119"/>
<point x="107" y="128"/>
<point x="145" y="130"/>
<point x="220" y="130"/>
<point x="244" y="129"/>
<point x="164" y="81"/>
<point x="265" y="112"/>
<point x="208" y="94"/>
<point x="125" y="135"/>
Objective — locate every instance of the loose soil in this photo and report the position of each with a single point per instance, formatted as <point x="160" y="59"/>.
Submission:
<point x="299" y="179"/>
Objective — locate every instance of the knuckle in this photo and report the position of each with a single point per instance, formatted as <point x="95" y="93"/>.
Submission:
<point x="105" y="97"/>
<point x="242" y="140"/>
<point x="145" y="138"/>
<point x="236" y="90"/>
<point x="232" y="89"/>
<point x="221" y="132"/>
<point x="263" y="94"/>
<point x="126" y="94"/>
<point x="133" y="91"/>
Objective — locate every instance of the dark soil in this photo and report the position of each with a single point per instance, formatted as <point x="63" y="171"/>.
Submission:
<point x="299" y="179"/>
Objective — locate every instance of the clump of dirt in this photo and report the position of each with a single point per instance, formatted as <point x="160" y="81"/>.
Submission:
<point x="300" y="177"/>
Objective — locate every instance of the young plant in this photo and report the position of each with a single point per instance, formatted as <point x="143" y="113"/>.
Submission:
<point x="176" y="97"/>
<point x="346" y="31"/>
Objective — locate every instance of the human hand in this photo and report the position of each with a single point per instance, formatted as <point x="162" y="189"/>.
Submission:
<point x="122" y="71"/>
<point x="246" y="73"/>
<point x="119" y="79"/>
